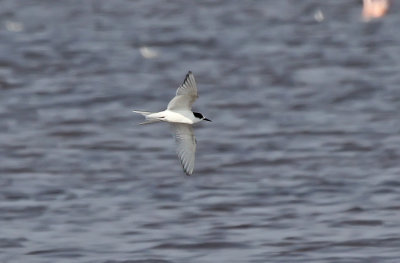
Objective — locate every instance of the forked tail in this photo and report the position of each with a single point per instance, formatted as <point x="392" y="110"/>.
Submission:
<point x="145" y="114"/>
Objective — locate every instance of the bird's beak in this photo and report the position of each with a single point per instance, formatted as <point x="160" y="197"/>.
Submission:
<point x="206" y="119"/>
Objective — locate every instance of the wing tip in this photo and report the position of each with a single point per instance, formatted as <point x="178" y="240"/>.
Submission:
<point x="187" y="76"/>
<point x="188" y="173"/>
<point x="186" y="169"/>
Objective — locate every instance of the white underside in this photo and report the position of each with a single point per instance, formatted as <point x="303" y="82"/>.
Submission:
<point x="182" y="116"/>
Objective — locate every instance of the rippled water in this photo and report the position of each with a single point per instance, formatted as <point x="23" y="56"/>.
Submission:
<point x="300" y="164"/>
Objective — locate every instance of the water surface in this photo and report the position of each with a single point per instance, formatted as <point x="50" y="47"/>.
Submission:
<point x="300" y="164"/>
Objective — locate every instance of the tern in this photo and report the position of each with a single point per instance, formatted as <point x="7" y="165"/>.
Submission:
<point x="181" y="117"/>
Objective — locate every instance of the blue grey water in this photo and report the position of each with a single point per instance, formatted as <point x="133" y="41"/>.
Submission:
<point x="300" y="164"/>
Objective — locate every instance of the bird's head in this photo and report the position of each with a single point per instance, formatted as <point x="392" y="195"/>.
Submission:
<point x="200" y="116"/>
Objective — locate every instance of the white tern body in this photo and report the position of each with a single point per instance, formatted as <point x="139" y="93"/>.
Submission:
<point x="179" y="114"/>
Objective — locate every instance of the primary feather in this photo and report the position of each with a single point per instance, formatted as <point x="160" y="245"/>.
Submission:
<point x="186" y="145"/>
<point x="186" y="94"/>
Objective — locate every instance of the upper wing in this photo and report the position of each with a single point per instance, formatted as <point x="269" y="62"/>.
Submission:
<point x="186" y="94"/>
<point x="186" y="145"/>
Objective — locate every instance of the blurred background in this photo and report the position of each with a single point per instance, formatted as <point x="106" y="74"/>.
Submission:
<point x="300" y="164"/>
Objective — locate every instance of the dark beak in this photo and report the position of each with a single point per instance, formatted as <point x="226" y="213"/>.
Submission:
<point x="206" y="119"/>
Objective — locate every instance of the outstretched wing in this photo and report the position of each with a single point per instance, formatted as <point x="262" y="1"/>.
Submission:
<point x="186" y="94"/>
<point x="186" y="145"/>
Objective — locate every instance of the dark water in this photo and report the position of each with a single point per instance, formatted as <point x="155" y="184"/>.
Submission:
<point x="300" y="164"/>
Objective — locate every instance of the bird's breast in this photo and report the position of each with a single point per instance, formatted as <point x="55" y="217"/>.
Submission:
<point x="179" y="116"/>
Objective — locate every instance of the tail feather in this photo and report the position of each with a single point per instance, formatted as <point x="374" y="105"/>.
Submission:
<point x="147" y="120"/>
<point x="144" y="113"/>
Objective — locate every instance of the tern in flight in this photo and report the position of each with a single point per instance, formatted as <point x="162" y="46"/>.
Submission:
<point x="181" y="117"/>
